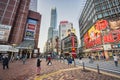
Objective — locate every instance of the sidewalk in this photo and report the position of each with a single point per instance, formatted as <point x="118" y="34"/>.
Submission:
<point x="19" y="71"/>
<point x="73" y="73"/>
<point x="57" y="71"/>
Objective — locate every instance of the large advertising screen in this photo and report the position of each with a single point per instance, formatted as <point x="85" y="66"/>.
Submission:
<point x="114" y="24"/>
<point x="30" y="29"/>
<point x="98" y="33"/>
<point x="4" y="32"/>
<point x="93" y="35"/>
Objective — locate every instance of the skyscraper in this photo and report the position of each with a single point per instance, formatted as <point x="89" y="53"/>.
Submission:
<point x="53" y="22"/>
<point x="52" y="32"/>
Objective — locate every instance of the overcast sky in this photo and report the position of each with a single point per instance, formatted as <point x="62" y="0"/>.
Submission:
<point x="66" y="10"/>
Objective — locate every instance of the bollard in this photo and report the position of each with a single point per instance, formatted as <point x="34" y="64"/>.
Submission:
<point x="83" y="66"/>
<point x="98" y="69"/>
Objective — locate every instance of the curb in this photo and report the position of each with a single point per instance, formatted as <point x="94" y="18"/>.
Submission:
<point x="53" y="73"/>
<point x="105" y="73"/>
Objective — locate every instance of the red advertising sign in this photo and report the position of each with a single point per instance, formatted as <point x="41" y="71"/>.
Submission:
<point x="101" y="24"/>
<point x="31" y="26"/>
<point x="73" y="41"/>
<point x="98" y="41"/>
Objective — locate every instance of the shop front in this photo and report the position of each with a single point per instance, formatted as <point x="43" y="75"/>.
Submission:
<point x="8" y="50"/>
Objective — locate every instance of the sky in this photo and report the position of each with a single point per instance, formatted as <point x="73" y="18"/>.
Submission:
<point x="68" y="10"/>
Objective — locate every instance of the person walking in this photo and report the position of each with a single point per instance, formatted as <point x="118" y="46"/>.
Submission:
<point x="5" y="62"/>
<point x="115" y="57"/>
<point x="49" y="60"/>
<point x="80" y="59"/>
<point x="69" y="59"/>
<point x="38" y="66"/>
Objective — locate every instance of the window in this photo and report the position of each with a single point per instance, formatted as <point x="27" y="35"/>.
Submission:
<point x="100" y="15"/>
<point x="105" y="14"/>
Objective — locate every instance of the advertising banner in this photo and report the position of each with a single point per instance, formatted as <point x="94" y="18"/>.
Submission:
<point x="114" y="24"/>
<point x="107" y="47"/>
<point x="29" y="34"/>
<point x="73" y="41"/>
<point x="30" y="29"/>
<point x="31" y="21"/>
<point x="101" y="24"/>
<point x="4" y="32"/>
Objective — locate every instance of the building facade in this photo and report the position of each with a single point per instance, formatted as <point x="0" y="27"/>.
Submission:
<point x="33" y="5"/>
<point x="69" y="45"/>
<point x="65" y="28"/>
<point x="15" y="22"/>
<point x="99" y="25"/>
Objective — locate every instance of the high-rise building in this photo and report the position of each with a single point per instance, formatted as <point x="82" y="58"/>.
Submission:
<point x="53" y="21"/>
<point x="52" y="31"/>
<point x="65" y="28"/>
<point x="33" y="5"/>
<point x="53" y="24"/>
<point x="99" y="25"/>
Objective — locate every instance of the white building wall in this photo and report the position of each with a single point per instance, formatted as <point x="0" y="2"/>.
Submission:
<point x="33" y="5"/>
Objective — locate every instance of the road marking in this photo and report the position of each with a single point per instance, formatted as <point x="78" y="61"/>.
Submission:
<point x="78" y="67"/>
<point x="53" y="73"/>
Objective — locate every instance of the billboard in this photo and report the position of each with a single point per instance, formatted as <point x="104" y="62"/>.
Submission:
<point x="30" y="29"/>
<point x="114" y="24"/>
<point x="93" y="35"/>
<point x="4" y="32"/>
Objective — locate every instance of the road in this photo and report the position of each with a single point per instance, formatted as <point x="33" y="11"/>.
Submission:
<point x="108" y="66"/>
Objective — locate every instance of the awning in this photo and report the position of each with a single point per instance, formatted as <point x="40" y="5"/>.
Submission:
<point x="26" y="44"/>
<point x="5" y="48"/>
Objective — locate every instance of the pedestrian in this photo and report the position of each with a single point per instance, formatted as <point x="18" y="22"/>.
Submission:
<point x="38" y="65"/>
<point x="49" y="60"/>
<point x="24" y="59"/>
<point x="91" y="58"/>
<point x="80" y="59"/>
<point x="5" y="62"/>
<point x="115" y="57"/>
<point x="69" y="59"/>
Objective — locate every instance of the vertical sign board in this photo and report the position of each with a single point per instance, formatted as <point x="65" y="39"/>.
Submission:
<point x="4" y="32"/>
<point x="30" y="29"/>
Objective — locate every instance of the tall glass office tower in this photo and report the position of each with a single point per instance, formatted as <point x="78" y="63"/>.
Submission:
<point x="53" y="22"/>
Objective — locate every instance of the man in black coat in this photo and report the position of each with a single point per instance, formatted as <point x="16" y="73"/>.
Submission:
<point x="5" y="62"/>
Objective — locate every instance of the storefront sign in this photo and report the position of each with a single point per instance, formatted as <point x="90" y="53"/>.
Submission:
<point x="30" y="29"/>
<point x="107" y="47"/>
<point x="8" y="48"/>
<point x="4" y="32"/>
